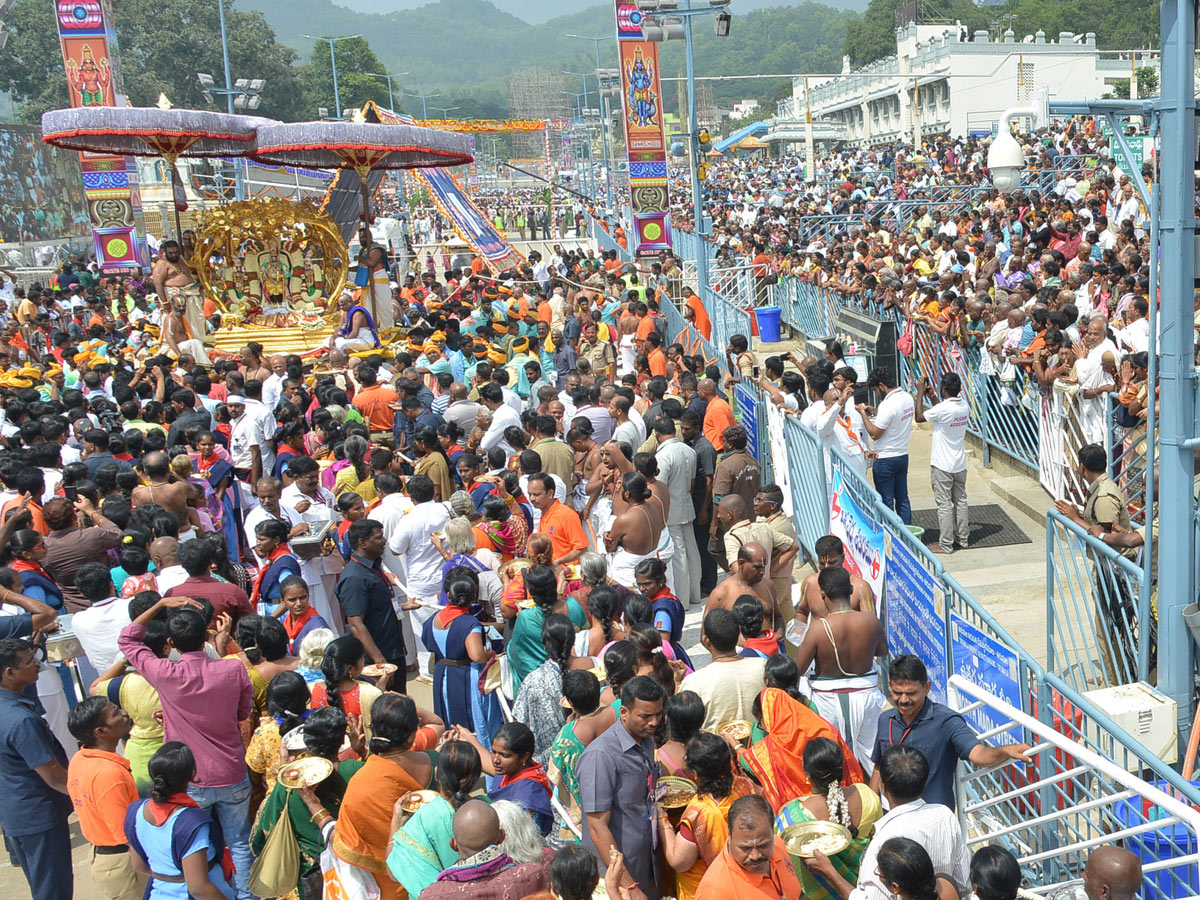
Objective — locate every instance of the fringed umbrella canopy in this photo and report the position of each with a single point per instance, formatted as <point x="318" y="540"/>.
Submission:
<point x="361" y="146"/>
<point x="151" y="131"/>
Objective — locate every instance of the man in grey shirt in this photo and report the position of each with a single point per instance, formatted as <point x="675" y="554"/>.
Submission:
<point x="461" y="410"/>
<point x="617" y="778"/>
<point x="677" y="469"/>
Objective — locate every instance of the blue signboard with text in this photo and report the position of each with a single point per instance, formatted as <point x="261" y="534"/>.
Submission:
<point x="745" y="410"/>
<point x="916" y="612"/>
<point x="988" y="664"/>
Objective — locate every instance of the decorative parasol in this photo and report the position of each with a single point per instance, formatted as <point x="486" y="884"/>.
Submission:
<point x="152" y="131"/>
<point x="361" y="146"/>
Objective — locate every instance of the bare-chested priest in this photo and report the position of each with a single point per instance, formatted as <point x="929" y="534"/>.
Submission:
<point x="748" y="575"/>
<point x="635" y="532"/>
<point x="175" y="281"/>
<point x="843" y="645"/>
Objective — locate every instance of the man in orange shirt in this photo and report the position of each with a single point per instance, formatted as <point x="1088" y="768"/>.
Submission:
<point x="718" y="414"/>
<point x="101" y="787"/>
<point x="654" y="354"/>
<point x="753" y="864"/>
<point x="29" y="481"/>
<point x="560" y="523"/>
<point x="645" y="322"/>
<point x="376" y="402"/>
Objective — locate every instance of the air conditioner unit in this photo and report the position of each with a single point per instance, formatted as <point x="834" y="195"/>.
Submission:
<point x="1148" y="715"/>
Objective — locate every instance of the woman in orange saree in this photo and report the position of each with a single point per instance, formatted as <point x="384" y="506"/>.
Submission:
<point x="777" y="761"/>
<point x="703" y="828"/>
<point x="362" y="834"/>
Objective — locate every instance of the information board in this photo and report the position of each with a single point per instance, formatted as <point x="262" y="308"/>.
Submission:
<point x="745" y="410"/>
<point x="862" y="537"/>
<point x="990" y="665"/>
<point x="916" y="612"/>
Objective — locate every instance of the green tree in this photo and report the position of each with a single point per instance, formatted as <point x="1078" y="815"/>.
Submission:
<point x="1147" y="84"/>
<point x="355" y="59"/>
<point x="163" y="44"/>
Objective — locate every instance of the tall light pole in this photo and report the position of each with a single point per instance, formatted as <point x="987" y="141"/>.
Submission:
<point x="596" y="41"/>
<point x="389" y="79"/>
<point x="331" y="41"/>
<point x="424" y="99"/>
<point x="445" y="110"/>
<point x="245" y="94"/>
<point x="662" y="25"/>
<point x="585" y="76"/>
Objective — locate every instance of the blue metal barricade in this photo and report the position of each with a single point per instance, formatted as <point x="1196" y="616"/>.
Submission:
<point x="806" y="479"/>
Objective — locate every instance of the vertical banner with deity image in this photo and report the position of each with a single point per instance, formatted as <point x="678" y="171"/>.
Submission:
<point x="645" y="140"/>
<point x="88" y="39"/>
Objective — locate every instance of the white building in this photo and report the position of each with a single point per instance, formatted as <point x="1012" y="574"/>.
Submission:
<point x="962" y="83"/>
<point x="742" y="108"/>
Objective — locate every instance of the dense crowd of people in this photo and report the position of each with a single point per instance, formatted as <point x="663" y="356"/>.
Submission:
<point x="515" y="501"/>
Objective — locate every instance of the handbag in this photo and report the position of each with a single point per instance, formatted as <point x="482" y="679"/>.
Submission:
<point x="362" y="276"/>
<point x="904" y="343"/>
<point x="276" y="871"/>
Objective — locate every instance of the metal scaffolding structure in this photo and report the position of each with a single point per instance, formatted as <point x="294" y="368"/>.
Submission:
<point x="537" y="93"/>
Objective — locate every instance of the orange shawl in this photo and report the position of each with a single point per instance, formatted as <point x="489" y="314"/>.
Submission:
<point x="361" y="837"/>
<point x="777" y="760"/>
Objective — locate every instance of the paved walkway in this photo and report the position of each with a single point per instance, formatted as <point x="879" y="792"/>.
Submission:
<point x="1009" y="581"/>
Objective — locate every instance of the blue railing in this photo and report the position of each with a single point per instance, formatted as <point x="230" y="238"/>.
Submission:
<point x="1029" y="808"/>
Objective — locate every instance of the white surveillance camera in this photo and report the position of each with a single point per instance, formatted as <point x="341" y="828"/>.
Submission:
<point x="1005" y="160"/>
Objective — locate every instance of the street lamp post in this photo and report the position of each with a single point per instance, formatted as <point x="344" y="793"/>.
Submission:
<point x="608" y="194"/>
<point x="424" y="99"/>
<point x="389" y="79"/>
<point x="331" y="41"/>
<point x="660" y="25"/>
<point x="445" y="110"/>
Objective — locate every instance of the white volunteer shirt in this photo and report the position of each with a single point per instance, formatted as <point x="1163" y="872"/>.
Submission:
<point x="895" y="416"/>
<point x="949" y="419"/>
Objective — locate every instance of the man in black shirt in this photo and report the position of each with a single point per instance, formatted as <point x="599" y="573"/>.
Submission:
<point x="366" y="598"/>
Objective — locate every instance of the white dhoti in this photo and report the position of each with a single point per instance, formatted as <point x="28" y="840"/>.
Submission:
<point x="53" y="697"/>
<point x="321" y="592"/>
<point x="600" y="519"/>
<point x="628" y="355"/>
<point x="196" y="350"/>
<point x="379" y="293"/>
<point x="364" y="340"/>
<point x="667" y="551"/>
<point x="852" y="705"/>
<point x="622" y="565"/>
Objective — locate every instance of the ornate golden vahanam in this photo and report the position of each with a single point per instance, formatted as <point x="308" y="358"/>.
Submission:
<point x="271" y="262"/>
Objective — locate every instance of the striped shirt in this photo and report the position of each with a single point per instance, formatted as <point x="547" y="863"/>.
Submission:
<point x="932" y="825"/>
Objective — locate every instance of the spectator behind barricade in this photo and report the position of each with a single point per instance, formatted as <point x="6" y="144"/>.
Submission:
<point x="890" y="430"/>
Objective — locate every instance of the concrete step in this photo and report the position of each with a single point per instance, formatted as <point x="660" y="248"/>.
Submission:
<point x="1023" y="493"/>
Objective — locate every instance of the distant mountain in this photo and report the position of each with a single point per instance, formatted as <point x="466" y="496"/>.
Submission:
<point x="470" y="46"/>
<point x="537" y="11"/>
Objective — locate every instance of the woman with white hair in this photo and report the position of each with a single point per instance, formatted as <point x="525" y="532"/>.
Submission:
<point x="312" y="653"/>
<point x="458" y="549"/>
<point x="522" y="839"/>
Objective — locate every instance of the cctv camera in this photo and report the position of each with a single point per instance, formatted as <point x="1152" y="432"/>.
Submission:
<point x="1005" y="160"/>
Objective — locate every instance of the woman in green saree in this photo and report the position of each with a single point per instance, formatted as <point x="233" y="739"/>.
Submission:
<point x="858" y="808"/>
<point x="420" y="848"/>
<point x="588" y="720"/>
<point x="324" y="732"/>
